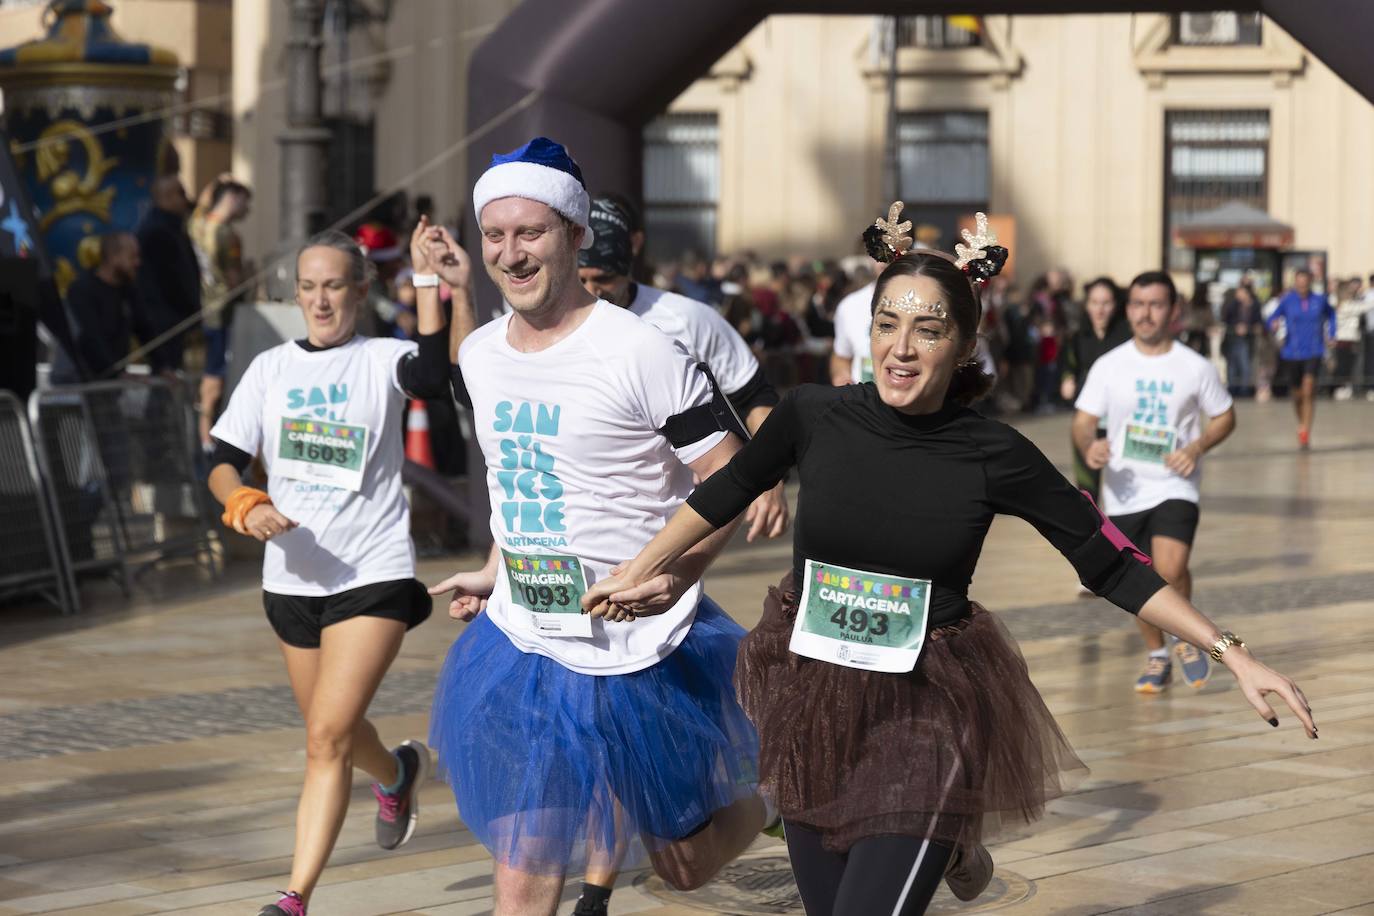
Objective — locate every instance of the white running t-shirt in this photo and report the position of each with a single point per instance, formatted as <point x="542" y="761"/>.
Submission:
<point x="707" y="336"/>
<point x="1152" y="405"/>
<point x="328" y="424"/>
<point x="853" y="324"/>
<point x="577" y="470"/>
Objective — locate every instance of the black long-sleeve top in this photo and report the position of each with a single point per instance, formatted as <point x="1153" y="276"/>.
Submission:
<point x="168" y="283"/>
<point x="103" y="315"/>
<point x="914" y="496"/>
<point x="1085" y="348"/>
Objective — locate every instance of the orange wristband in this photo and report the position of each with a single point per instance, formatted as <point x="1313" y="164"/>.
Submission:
<point x="240" y="503"/>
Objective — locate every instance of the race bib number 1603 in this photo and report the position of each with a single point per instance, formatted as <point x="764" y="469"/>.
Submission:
<point x="318" y="451"/>
<point x="861" y="619"/>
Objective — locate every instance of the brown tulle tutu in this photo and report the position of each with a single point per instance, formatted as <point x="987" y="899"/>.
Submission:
<point x="953" y="751"/>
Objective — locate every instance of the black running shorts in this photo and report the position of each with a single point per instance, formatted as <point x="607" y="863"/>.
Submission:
<point x="299" y="619"/>
<point x="1293" y="370"/>
<point x="1173" y="518"/>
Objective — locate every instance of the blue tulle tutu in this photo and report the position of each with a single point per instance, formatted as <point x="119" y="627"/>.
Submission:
<point x="553" y="769"/>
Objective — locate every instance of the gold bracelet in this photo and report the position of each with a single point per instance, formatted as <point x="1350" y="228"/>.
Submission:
<point x="1224" y="642"/>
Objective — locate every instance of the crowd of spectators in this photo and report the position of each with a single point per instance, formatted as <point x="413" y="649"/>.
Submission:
<point x="184" y="256"/>
<point x="1034" y="334"/>
<point x="148" y="285"/>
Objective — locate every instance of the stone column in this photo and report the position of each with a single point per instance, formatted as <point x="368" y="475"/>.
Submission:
<point x="305" y="140"/>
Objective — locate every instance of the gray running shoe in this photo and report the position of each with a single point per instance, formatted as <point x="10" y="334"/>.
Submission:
<point x="398" y="812"/>
<point x="290" y="904"/>
<point x="1197" y="665"/>
<point x="969" y="871"/>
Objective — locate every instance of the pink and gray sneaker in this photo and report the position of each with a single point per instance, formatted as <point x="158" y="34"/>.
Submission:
<point x="399" y="811"/>
<point x="290" y="904"/>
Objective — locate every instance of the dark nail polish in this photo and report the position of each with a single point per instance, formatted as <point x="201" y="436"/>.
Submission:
<point x="1274" y="722"/>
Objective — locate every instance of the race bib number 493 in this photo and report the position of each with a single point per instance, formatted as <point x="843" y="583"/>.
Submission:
<point x="318" y="451"/>
<point x="550" y="587"/>
<point x="861" y="619"/>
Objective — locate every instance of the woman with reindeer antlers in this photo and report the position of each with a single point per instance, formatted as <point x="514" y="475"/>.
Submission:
<point x="896" y="719"/>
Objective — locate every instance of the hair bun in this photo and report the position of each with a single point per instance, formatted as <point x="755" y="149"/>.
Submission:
<point x="877" y="249"/>
<point x="887" y="239"/>
<point x="985" y="268"/>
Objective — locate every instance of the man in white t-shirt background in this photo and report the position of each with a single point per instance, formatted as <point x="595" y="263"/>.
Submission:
<point x="571" y="741"/>
<point x="605" y="268"/>
<point x="1162" y="407"/>
<point x="851" y="361"/>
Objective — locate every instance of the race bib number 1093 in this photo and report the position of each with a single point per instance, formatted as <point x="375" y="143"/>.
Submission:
<point x="550" y="587"/>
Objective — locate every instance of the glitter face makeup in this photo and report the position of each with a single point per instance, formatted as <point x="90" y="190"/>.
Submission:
<point x="910" y="304"/>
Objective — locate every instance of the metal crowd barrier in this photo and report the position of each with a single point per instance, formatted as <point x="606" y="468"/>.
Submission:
<point x="33" y="553"/>
<point x="121" y="460"/>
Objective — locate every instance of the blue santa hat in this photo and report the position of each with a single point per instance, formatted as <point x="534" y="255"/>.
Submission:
<point x="540" y="170"/>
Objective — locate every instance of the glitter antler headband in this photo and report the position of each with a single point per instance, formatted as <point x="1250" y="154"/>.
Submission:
<point x="981" y="258"/>
<point x="978" y="242"/>
<point x="887" y="239"/>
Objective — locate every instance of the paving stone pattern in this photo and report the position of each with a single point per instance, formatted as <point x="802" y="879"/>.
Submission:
<point x="1223" y="603"/>
<point x="53" y="730"/>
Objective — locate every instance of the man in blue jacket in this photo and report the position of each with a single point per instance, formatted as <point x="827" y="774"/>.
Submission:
<point x="1310" y="321"/>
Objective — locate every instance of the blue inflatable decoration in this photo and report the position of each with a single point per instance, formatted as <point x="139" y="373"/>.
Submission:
<point x="83" y="110"/>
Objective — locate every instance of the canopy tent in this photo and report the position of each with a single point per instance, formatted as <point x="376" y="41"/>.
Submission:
<point x="1234" y="225"/>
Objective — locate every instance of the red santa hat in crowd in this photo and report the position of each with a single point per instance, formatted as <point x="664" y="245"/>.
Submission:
<point x="378" y="242"/>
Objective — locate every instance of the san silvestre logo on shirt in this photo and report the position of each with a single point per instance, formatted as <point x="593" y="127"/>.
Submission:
<point x="1152" y="404"/>
<point x="532" y="493"/>
<point x="315" y="401"/>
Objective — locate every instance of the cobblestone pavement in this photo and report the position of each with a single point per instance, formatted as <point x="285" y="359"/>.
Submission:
<point x="151" y="751"/>
<point x="50" y="731"/>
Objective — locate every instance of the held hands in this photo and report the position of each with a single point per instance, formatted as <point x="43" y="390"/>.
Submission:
<point x="1257" y="680"/>
<point x="450" y="261"/>
<point x="626" y="595"/>
<point x="471" y="590"/>
<point x="1098" y="454"/>
<point x="420" y="247"/>
<point x="264" y="522"/>
<point x="767" y="515"/>
<point x="1184" y="461"/>
<point x="433" y="249"/>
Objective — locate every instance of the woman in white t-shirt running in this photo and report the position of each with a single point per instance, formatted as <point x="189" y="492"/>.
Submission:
<point x="325" y="414"/>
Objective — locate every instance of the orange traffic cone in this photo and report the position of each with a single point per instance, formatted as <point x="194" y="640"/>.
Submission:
<point x="418" y="447"/>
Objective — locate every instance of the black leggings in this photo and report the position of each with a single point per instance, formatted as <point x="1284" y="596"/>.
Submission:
<point x="880" y="875"/>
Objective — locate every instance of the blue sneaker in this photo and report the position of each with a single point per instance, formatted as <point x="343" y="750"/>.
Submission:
<point x="1155" y="677"/>
<point x="1197" y="665"/>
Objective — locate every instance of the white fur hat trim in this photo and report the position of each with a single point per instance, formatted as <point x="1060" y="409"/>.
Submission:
<point x="555" y="188"/>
